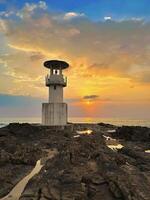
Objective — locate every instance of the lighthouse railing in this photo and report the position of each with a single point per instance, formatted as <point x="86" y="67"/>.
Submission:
<point x="65" y="79"/>
<point x="50" y="80"/>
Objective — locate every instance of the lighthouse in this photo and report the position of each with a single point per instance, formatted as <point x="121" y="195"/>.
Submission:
<point x="54" y="113"/>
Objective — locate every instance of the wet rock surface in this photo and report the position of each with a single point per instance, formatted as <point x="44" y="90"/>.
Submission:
<point x="133" y="133"/>
<point x="18" y="155"/>
<point x="84" y="168"/>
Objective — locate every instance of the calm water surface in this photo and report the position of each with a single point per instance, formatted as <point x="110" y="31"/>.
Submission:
<point x="115" y="121"/>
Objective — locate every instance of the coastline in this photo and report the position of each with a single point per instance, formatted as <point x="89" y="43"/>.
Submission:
<point x="24" y="144"/>
<point x="83" y="120"/>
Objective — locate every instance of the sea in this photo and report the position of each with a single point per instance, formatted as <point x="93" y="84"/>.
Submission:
<point x="114" y="121"/>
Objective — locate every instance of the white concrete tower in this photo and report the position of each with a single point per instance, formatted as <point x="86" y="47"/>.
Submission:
<point x="54" y="113"/>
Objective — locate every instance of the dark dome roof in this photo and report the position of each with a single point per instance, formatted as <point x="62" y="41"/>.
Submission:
<point x="56" y="64"/>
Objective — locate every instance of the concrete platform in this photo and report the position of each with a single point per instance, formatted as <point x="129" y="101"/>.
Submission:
<point x="54" y="114"/>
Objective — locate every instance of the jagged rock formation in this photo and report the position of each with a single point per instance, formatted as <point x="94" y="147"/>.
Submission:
<point x="133" y="133"/>
<point x="84" y="168"/>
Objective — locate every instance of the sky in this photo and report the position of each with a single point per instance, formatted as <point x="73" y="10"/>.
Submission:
<point x="106" y="43"/>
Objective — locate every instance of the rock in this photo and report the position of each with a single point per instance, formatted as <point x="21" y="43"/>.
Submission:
<point x="133" y="133"/>
<point x="106" y="125"/>
<point x="84" y="168"/>
<point x="16" y="154"/>
<point x="115" y="190"/>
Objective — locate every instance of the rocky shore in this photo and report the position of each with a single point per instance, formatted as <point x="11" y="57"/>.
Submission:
<point x="85" y="168"/>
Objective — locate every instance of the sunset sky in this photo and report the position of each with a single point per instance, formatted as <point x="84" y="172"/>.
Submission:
<point x="106" y="43"/>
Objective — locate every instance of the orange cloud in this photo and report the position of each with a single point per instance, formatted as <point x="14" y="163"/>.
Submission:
<point x="108" y="59"/>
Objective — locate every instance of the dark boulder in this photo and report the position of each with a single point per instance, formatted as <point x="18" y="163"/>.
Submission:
<point x="133" y="133"/>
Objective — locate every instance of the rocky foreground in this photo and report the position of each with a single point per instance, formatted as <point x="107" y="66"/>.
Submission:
<point x="84" y="167"/>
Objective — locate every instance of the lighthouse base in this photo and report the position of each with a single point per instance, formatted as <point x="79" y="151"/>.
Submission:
<point x="54" y="114"/>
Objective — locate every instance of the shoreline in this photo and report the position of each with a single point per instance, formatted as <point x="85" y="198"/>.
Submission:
<point x="114" y="121"/>
<point x="23" y="145"/>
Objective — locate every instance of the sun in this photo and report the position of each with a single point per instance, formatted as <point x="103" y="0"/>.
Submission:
<point x="88" y="103"/>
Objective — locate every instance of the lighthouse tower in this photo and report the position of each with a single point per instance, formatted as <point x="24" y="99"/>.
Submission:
<point x="54" y="113"/>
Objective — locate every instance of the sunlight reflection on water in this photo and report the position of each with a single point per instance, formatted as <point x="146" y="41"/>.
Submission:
<point x="112" y="143"/>
<point x="147" y="151"/>
<point x="115" y="147"/>
<point x="85" y="132"/>
<point x="115" y="121"/>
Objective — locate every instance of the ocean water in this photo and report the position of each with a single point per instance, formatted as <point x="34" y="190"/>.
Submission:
<point x="114" y="121"/>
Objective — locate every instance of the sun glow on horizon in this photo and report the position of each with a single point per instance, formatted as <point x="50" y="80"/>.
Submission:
<point x="88" y="102"/>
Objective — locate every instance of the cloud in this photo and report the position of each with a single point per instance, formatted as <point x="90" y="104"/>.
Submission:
<point x="91" y="97"/>
<point x="109" y="61"/>
<point x="28" y="10"/>
<point x="103" y="56"/>
<point x="7" y="13"/>
<point x="143" y="77"/>
<point x="107" y="18"/>
<point x="71" y="15"/>
<point x="36" y="56"/>
<point x="138" y="19"/>
<point x="31" y="8"/>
